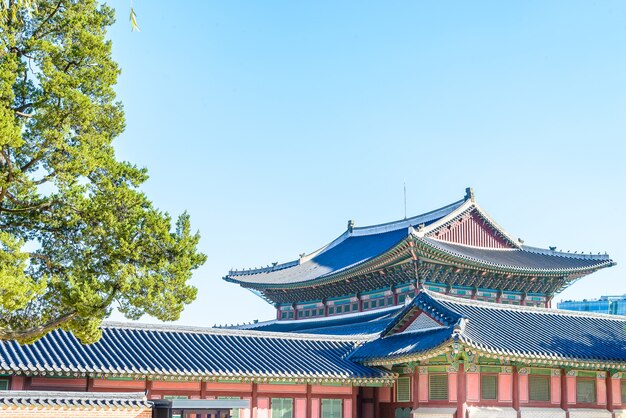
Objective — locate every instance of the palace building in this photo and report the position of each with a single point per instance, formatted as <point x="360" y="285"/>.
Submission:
<point x="439" y="315"/>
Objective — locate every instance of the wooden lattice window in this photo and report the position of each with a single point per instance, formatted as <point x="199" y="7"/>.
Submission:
<point x="403" y="389"/>
<point x="282" y="408"/>
<point x="623" y="391"/>
<point x="438" y="387"/>
<point x="331" y="408"/>
<point x="489" y="386"/>
<point x="4" y="384"/>
<point x="585" y="390"/>
<point x="539" y="388"/>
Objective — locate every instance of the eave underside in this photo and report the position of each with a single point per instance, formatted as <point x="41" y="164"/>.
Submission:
<point x="430" y="272"/>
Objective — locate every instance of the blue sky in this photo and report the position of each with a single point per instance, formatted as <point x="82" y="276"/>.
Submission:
<point x="275" y="122"/>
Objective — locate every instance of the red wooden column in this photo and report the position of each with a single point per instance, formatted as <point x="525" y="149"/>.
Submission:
<point x="89" y="384"/>
<point x="461" y="390"/>
<point x="415" y="387"/>
<point x="309" y="413"/>
<point x="148" y="388"/>
<point x="516" y="391"/>
<point x="253" y="401"/>
<point x="376" y="402"/>
<point x="564" y="405"/>
<point x="609" y="392"/>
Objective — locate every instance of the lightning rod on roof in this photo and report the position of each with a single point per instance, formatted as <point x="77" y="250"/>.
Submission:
<point x="405" y="199"/>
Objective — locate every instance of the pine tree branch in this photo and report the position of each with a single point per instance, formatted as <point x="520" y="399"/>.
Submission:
<point x="34" y="332"/>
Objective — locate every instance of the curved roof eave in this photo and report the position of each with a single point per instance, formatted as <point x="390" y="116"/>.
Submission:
<point x="472" y="262"/>
<point x="368" y="265"/>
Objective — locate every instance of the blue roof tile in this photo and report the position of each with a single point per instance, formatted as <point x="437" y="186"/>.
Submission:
<point x="504" y="329"/>
<point x="137" y="350"/>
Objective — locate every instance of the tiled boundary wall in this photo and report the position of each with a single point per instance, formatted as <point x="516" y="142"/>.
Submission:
<point x="49" y="412"/>
<point x="306" y="399"/>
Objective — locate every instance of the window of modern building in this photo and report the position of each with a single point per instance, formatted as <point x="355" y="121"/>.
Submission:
<point x="331" y="408"/>
<point x="489" y="386"/>
<point x="403" y="389"/>
<point x="282" y="408"/>
<point x="539" y="388"/>
<point x="438" y="387"/>
<point x="585" y="390"/>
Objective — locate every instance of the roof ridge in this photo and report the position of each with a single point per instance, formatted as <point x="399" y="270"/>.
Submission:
<point x="230" y="331"/>
<point x="548" y="251"/>
<point x="502" y="306"/>
<point x="405" y="223"/>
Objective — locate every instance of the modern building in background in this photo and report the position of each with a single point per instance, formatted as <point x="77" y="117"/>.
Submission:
<point x="614" y="305"/>
<point x="442" y="315"/>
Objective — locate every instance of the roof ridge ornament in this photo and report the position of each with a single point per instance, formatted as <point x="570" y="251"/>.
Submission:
<point x="469" y="194"/>
<point x="350" y="226"/>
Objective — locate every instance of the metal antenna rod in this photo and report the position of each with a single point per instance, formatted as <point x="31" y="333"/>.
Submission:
<point x="404" y="199"/>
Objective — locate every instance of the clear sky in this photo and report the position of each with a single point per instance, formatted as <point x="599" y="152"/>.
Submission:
<point x="275" y="122"/>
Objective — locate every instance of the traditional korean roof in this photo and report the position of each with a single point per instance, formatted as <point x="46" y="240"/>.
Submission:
<point x="509" y="332"/>
<point x="459" y="235"/>
<point x="524" y="259"/>
<point x="22" y="399"/>
<point x="359" y="324"/>
<point x="353" y="248"/>
<point x="161" y="352"/>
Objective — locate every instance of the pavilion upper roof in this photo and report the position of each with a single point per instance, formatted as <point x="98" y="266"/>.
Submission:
<point x="459" y="234"/>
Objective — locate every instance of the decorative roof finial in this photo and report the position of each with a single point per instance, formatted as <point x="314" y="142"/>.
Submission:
<point x="350" y="225"/>
<point x="469" y="194"/>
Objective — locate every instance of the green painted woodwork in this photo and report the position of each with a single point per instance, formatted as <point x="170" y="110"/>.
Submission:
<point x="544" y="372"/>
<point x="331" y="408"/>
<point x="282" y="408"/>
<point x="403" y="389"/>
<point x="490" y="369"/>
<point x="539" y="388"/>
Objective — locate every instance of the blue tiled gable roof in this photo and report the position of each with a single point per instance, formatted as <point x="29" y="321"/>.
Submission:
<point x="349" y="250"/>
<point x="139" y="351"/>
<point x="540" y="332"/>
<point x="402" y="345"/>
<point x="504" y="330"/>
